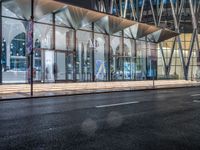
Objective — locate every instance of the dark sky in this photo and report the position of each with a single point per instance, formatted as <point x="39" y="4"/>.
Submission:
<point x="81" y="3"/>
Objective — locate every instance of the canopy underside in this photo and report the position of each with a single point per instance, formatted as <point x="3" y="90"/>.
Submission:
<point x="77" y="18"/>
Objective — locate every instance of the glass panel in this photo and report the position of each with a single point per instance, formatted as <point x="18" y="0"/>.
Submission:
<point x="129" y="61"/>
<point x="141" y="60"/>
<point x="46" y="19"/>
<point x="44" y="35"/>
<point x="70" y="67"/>
<point x="61" y="19"/>
<point x="151" y="61"/>
<point x="37" y="63"/>
<point x="117" y="58"/>
<point x="64" y="39"/>
<point x="14" y="51"/>
<point x="48" y="66"/>
<point x="59" y="67"/>
<point x="14" y="59"/>
<point x="101" y="57"/>
<point x="84" y="56"/>
<point x="15" y="9"/>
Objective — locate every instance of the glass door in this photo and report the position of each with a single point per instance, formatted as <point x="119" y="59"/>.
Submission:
<point x="59" y="67"/>
<point x="52" y="66"/>
<point x="49" y="63"/>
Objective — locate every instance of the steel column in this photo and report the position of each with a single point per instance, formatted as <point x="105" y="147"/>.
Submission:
<point x="31" y="54"/>
<point x="74" y="56"/>
<point x="54" y="40"/>
<point x="146" y="59"/>
<point x="93" y="59"/>
<point x="135" y="58"/>
<point x="1" y="41"/>
<point x="109" y="59"/>
<point x="54" y="31"/>
<point x="123" y="53"/>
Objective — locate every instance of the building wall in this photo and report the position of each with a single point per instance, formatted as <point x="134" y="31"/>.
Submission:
<point x="182" y="59"/>
<point x="85" y="55"/>
<point x="70" y="55"/>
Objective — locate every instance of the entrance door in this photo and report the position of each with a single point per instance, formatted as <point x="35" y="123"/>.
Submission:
<point x="60" y="66"/>
<point x="48" y="68"/>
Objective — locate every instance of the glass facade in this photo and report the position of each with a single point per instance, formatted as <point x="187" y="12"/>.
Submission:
<point x="64" y="54"/>
<point x="69" y="50"/>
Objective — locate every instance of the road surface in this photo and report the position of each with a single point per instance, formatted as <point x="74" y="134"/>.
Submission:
<point x="142" y="120"/>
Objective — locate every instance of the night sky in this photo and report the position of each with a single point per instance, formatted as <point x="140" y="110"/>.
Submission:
<point x="81" y="3"/>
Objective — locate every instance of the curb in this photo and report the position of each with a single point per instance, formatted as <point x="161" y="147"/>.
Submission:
<point x="130" y="89"/>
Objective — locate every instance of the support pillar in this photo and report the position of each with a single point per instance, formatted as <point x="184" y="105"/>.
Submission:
<point x="93" y="59"/>
<point x="135" y="59"/>
<point x="74" y="56"/>
<point x="146" y="59"/>
<point x="123" y="54"/>
<point x="1" y="40"/>
<point x="109" y="59"/>
<point x="30" y="45"/>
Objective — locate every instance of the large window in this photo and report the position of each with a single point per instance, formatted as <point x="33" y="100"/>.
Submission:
<point x="64" y="39"/>
<point x="84" y="56"/>
<point x="4" y="55"/>
<point x="141" y="60"/>
<point x="101" y="57"/>
<point x="14" y="51"/>
<point x="67" y="49"/>
<point x="129" y="59"/>
<point x="116" y="58"/>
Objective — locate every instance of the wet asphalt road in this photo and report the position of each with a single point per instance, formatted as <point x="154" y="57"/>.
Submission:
<point x="142" y="120"/>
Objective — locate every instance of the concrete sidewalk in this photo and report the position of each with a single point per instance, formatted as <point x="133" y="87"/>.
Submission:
<point x="23" y="90"/>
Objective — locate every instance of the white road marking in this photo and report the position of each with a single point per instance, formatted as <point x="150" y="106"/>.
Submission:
<point x="196" y="101"/>
<point x="117" y="104"/>
<point x="195" y="95"/>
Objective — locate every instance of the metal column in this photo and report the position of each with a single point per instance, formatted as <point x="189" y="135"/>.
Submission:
<point x="54" y="31"/>
<point x="146" y="59"/>
<point x="54" y="44"/>
<point x="109" y="59"/>
<point x="93" y="42"/>
<point x="135" y="59"/>
<point x="74" y="56"/>
<point x="31" y="54"/>
<point x="1" y="40"/>
<point x="123" y="54"/>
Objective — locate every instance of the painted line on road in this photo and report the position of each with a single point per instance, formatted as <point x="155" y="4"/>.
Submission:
<point x="117" y="104"/>
<point x="194" y="95"/>
<point x="196" y="101"/>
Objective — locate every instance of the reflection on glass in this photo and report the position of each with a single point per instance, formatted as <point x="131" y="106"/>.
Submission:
<point x="117" y="64"/>
<point x="64" y="39"/>
<point x="59" y="68"/>
<point x="101" y="57"/>
<point x="129" y="59"/>
<point x="14" y="51"/>
<point x="44" y="34"/>
<point x="84" y="56"/>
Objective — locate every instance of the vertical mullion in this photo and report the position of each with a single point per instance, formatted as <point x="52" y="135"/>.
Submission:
<point x="123" y="54"/>
<point x="1" y="40"/>
<point x="54" y="41"/>
<point x="146" y="57"/>
<point x="109" y="58"/>
<point x="93" y="49"/>
<point x="54" y="31"/>
<point x="74" y="56"/>
<point x="135" y="58"/>
<point x="31" y="63"/>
